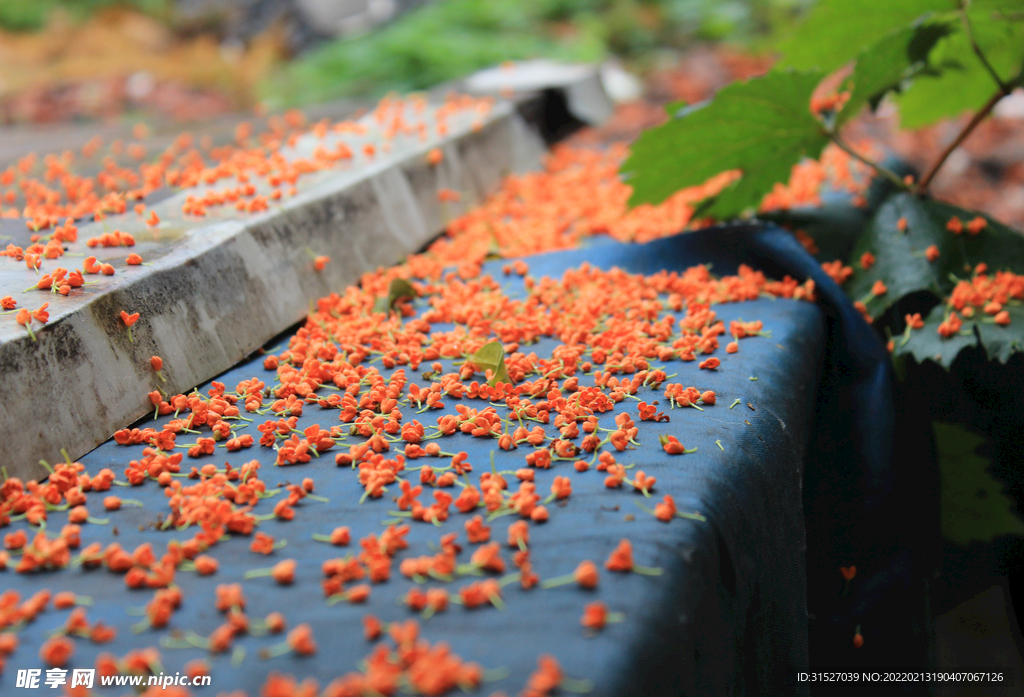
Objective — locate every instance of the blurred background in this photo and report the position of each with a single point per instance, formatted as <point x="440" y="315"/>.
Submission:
<point x="169" y="63"/>
<point x="189" y="59"/>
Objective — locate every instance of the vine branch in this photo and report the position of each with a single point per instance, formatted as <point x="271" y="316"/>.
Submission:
<point x="960" y="138"/>
<point x="1004" y="89"/>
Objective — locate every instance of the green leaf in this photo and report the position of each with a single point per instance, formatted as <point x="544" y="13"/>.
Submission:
<point x="491" y="356"/>
<point x="901" y="265"/>
<point x="762" y="127"/>
<point x="835" y="30"/>
<point x="673" y="108"/>
<point x="926" y="344"/>
<point x="999" y="246"/>
<point x="398" y="290"/>
<point x="900" y="261"/>
<point x="964" y="84"/>
<point x="887" y="63"/>
<point x="1002" y="342"/>
<point x="974" y="507"/>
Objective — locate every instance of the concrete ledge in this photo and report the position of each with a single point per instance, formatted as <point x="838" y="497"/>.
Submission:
<point x="219" y="287"/>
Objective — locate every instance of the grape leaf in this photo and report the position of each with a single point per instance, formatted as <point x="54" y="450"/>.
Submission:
<point x="835" y="30"/>
<point x="762" y="126"/>
<point x="491" y="356"/>
<point x="964" y="83"/>
<point x="998" y="246"/>
<point x="973" y="505"/>
<point x="1002" y="342"/>
<point x="884" y="65"/>
<point x="926" y="344"/>
<point x="900" y="261"/>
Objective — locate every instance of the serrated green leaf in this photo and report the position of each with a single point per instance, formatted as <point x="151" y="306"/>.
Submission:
<point x="998" y="246"/>
<point x="995" y="11"/>
<point x="900" y="261"/>
<point x="974" y="507"/>
<point x="739" y="196"/>
<point x="1001" y="342"/>
<point x="964" y="83"/>
<point x="1001" y="249"/>
<point x="884" y="65"/>
<point x="491" y="356"/>
<point x="926" y="344"/>
<point x="762" y="126"/>
<point x="835" y="30"/>
<point x="1001" y="7"/>
<point x="673" y="108"/>
<point x="397" y="290"/>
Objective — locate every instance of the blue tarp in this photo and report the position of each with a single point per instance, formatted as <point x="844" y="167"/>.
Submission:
<point x="730" y="613"/>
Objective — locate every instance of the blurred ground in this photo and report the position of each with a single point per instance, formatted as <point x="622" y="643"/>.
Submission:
<point x="120" y="62"/>
<point x="173" y="64"/>
<point x="189" y="59"/>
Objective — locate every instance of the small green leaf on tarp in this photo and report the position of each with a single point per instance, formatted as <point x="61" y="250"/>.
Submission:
<point x="974" y="507"/>
<point x="491" y="356"/>
<point x="493" y="250"/>
<point x="399" y="289"/>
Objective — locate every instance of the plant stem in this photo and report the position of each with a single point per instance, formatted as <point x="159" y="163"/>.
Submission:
<point x="1004" y="89"/>
<point x="960" y="138"/>
<point x="884" y="171"/>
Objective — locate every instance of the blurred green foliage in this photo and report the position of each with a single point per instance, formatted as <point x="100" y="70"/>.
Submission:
<point x="28" y="15"/>
<point x="447" y="39"/>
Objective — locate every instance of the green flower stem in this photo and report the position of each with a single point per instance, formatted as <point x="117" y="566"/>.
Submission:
<point x="647" y="570"/>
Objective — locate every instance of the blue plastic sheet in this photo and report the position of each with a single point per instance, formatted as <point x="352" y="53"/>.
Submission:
<point x="729" y="615"/>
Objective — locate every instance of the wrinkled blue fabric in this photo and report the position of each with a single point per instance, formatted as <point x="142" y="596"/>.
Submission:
<point x="728" y="616"/>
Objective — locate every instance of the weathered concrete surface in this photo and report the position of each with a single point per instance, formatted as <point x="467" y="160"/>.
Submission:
<point x="221" y="286"/>
<point x="580" y="84"/>
<point x="19" y="140"/>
